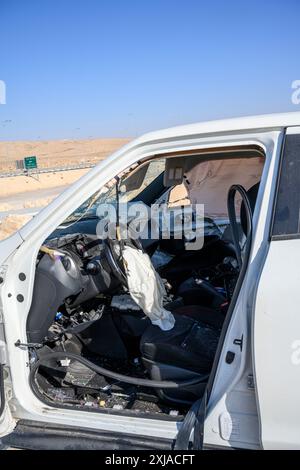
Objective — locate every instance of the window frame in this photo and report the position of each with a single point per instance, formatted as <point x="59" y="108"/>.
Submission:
<point x="283" y="236"/>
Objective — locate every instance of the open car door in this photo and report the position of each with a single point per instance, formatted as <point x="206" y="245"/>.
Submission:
<point x="276" y="327"/>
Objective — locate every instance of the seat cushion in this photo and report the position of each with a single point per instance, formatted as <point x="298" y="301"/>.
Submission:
<point x="195" y="291"/>
<point x="190" y="345"/>
<point x="203" y="314"/>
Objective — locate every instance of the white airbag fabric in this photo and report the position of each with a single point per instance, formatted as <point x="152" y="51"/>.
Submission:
<point x="146" y="288"/>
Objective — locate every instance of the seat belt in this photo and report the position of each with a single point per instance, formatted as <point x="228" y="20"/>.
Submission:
<point x="193" y="421"/>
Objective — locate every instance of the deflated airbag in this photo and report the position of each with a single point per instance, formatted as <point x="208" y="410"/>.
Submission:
<point x="147" y="288"/>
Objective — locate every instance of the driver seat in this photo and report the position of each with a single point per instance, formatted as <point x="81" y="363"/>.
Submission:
<point x="188" y="349"/>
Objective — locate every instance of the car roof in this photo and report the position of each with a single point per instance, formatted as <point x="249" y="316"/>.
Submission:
<point x="246" y="123"/>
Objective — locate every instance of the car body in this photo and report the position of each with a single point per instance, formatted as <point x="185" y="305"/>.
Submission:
<point x="253" y="391"/>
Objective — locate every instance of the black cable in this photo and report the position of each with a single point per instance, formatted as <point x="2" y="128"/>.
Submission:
<point x="114" y="375"/>
<point x="233" y="221"/>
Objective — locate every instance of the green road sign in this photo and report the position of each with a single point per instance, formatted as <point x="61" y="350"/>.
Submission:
<point x="30" y="163"/>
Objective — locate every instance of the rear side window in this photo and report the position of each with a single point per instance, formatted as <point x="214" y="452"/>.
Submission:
<point x="286" y="222"/>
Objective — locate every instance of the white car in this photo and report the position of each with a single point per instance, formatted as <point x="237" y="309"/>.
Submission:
<point x="155" y="338"/>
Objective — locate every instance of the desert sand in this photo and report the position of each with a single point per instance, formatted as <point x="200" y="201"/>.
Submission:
<point x="11" y="224"/>
<point x="57" y="152"/>
<point x="11" y="189"/>
<point x="25" y="192"/>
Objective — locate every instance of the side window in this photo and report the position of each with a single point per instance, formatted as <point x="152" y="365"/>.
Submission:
<point x="286" y="221"/>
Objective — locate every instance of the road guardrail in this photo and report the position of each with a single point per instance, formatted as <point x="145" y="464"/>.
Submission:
<point x="39" y="171"/>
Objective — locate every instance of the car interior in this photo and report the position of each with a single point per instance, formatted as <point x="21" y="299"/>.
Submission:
<point x="104" y="336"/>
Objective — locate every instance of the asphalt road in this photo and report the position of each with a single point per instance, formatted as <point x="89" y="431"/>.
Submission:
<point x="18" y="199"/>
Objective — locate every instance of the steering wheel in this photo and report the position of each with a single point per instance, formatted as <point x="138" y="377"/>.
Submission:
<point x="113" y="249"/>
<point x="236" y="188"/>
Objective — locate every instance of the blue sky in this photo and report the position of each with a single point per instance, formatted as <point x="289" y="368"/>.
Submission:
<point x="103" y="68"/>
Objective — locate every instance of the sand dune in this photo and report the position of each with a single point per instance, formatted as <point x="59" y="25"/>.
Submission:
<point x="57" y="153"/>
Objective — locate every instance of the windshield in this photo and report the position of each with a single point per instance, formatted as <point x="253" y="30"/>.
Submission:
<point x="131" y="183"/>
